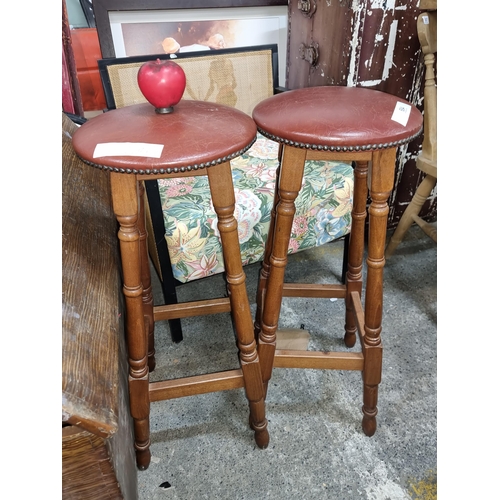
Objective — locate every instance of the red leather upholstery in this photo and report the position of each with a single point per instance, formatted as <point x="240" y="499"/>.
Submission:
<point x="337" y="118"/>
<point x="194" y="136"/>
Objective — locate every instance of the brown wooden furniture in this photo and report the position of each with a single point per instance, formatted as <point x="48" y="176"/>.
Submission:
<point x="333" y="123"/>
<point x="198" y="138"/>
<point x="255" y="70"/>
<point x="427" y="158"/>
<point x="97" y="438"/>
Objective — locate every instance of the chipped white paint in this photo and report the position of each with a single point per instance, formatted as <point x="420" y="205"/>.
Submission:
<point x="379" y="37"/>
<point x="383" y="4"/>
<point x="369" y="83"/>
<point x="355" y="41"/>
<point x="414" y="95"/>
<point x="390" y="50"/>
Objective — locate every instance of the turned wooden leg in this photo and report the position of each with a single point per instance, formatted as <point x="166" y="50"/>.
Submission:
<point x="222" y="191"/>
<point x="125" y="206"/>
<point x="264" y="270"/>
<point x="290" y="182"/>
<point x="147" y="289"/>
<point x="380" y="184"/>
<point x="354" y="278"/>
<point x="407" y="219"/>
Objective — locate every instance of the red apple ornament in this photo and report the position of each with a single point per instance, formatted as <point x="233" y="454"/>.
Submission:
<point x="162" y="84"/>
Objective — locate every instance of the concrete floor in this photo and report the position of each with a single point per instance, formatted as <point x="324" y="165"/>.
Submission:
<point x="203" y="448"/>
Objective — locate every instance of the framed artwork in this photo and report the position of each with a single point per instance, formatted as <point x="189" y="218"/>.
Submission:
<point x="142" y="27"/>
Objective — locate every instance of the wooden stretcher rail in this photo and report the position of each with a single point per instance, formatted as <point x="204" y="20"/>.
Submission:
<point x="319" y="360"/>
<point x="312" y="290"/>
<point x="199" y="384"/>
<point x="195" y="308"/>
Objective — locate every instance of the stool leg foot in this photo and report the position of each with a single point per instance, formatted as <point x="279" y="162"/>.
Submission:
<point x="143" y="457"/>
<point x="350" y="337"/>
<point x="254" y="390"/>
<point x="261" y="435"/>
<point x="142" y="442"/>
<point x="370" y="411"/>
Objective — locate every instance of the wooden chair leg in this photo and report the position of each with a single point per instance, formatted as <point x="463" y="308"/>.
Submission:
<point x="125" y="207"/>
<point x="168" y="282"/>
<point x="147" y="290"/>
<point x="221" y="188"/>
<point x="345" y="258"/>
<point x="289" y="185"/>
<point x="265" y="266"/>
<point x="411" y="212"/>
<point x="354" y="277"/>
<point x="380" y="187"/>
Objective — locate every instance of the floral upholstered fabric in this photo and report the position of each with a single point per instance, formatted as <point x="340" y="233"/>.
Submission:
<point x="323" y="213"/>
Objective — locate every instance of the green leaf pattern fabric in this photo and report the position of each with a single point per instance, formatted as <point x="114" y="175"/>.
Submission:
<point x="323" y="213"/>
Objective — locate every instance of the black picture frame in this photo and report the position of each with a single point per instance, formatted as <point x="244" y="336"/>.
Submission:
<point x="103" y="7"/>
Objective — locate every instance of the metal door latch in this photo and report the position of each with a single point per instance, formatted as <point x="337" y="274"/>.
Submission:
<point x="307" y="7"/>
<point x="309" y="53"/>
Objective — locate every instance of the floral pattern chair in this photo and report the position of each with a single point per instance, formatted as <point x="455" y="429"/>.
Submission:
<point x="323" y="212"/>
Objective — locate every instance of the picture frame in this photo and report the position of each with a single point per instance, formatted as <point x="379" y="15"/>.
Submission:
<point x="125" y="27"/>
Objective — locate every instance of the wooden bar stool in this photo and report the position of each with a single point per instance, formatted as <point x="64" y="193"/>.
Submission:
<point x="333" y="123"/>
<point x="199" y="138"/>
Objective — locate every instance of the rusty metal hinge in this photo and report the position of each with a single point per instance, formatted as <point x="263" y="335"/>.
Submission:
<point x="309" y="53"/>
<point x="307" y="7"/>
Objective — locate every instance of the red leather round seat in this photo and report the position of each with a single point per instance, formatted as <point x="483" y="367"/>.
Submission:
<point x="194" y="137"/>
<point x="336" y="118"/>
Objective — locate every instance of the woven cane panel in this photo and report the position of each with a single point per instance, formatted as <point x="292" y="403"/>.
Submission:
<point x="238" y="80"/>
<point x="123" y="78"/>
<point x="87" y="471"/>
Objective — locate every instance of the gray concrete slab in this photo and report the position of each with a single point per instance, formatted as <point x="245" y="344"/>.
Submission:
<point x="203" y="447"/>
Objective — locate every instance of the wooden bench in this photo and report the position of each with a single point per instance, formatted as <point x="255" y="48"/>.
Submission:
<point x="98" y="459"/>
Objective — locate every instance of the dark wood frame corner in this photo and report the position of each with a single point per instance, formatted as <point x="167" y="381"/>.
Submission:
<point x="103" y="7"/>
